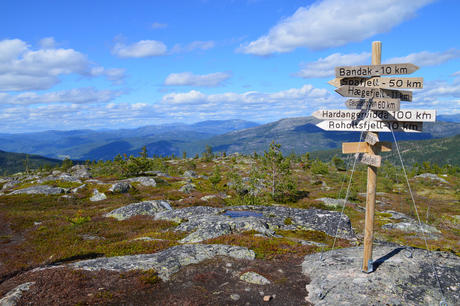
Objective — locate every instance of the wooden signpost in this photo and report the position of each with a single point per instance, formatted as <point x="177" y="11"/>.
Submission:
<point x="377" y="109"/>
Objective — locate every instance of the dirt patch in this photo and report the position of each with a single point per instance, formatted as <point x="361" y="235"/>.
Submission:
<point x="212" y="282"/>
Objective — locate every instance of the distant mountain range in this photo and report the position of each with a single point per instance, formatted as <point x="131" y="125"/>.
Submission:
<point x="294" y="134"/>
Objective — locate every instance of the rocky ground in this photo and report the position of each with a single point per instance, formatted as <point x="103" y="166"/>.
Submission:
<point x="159" y="239"/>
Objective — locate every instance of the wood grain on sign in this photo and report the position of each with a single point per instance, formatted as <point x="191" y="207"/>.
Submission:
<point x="370" y="138"/>
<point x="368" y="159"/>
<point x="374" y="104"/>
<point x="362" y="147"/>
<point x="374" y="70"/>
<point x="377" y="82"/>
<point x="371" y="93"/>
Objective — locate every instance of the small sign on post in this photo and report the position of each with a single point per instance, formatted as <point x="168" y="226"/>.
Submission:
<point x="371" y="160"/>
<point x="370" y="138"/>
<point x="374" y="104"/>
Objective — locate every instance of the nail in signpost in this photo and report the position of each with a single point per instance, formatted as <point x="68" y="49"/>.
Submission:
<point x="376" y="109"/>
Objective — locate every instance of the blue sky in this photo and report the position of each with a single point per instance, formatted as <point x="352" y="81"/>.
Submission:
<point x="122" y="64"/>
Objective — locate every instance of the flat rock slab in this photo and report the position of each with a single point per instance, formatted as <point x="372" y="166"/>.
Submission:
<point x="396" y="280"/>
<point x="149" y="208"/>
<point x="40" y="189"/>
<point x="167" y="262"/>
<point x="207" y="222"/>
<point x="409" y="224"/>
<point x="12" y="298"/>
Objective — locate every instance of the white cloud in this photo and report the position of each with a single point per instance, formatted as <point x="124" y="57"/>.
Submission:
<point x="24" y="69"/>
<point x="189" y="79"/>
<point x="436" y="90"/>
<point x="333" y="23"/>
<point x="84" y="95"/>
<point x="47" y="43"/>
<point x="325" y="67"/>
<point x="201" y="45"/>
<point x="197" y="98"/>
<point x="455" y="73"/>
<point x="141" y="49"/>
<point x="425" y="58"/>
<point x="158" y="25"/>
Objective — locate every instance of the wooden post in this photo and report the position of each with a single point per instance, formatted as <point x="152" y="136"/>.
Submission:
<point x="371" y="184"/>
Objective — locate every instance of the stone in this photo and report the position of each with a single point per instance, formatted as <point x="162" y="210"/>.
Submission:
<point x="120" y="187"/>
<point x="180" y="215"/>
<point x="332" y="202"/>
<point x="254" y="278"/>
<point x="41" y="189"/>
<point x="396" y="279"/>
<point x="167" y="262"/>
<point x="83" y="173"/>
<point x="409" y="224"/>
<point x="97" y="196"/>
<point x="433" y="177"/>
<point x="235" y="296"/>
<point x="143" y="180"/>
<point x="190" y="174"/>
<point x="206" y="222"/>
<point x="75" y="190"/>
<point x="149" y="208"/>
<point x="187" y="188"/>
<point x="12" y="298"/>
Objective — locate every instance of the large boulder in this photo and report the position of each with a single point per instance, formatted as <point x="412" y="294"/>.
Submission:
<point x="167" y="262"/>
<point x="149" y="208"/>
<point x="120" y="187"/>
<point x="97" y="196"/>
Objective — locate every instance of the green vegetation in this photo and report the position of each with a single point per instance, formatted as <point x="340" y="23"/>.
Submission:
<point x="49" y="229"/>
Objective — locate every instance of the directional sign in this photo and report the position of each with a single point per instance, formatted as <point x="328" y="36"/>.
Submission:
<point x="362" y="147"/>
<point x="374" y="70"/>
<point x="408" y="115"/>
<point x="369" y="93"/>
<point x="373" y="126"/>
<point x="399" y="83"/>
<point x="374" y="104"/>
<point x="370" y="138"/>
<point x="373" y="160"/>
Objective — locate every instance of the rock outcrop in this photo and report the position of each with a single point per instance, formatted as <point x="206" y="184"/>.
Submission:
<point x="408" y="224"/>
<point x="207" y="222"/>
<point x="143" y="208"/>
<point x="167" y="262"/>
<point x="397" y="279"/>
<point x="41" y="189"/>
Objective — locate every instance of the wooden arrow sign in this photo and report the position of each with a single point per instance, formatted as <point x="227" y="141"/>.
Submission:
<point x="374" y="104"/>
<point x="399" y="83"/>
<point x="372" y="160"/>
<point x="374" y="70"/>
<point x="370" y="93"/>
<point x="407" y="115"/>
<point x="373" y="126"/>
<point x="362" y="147"/>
